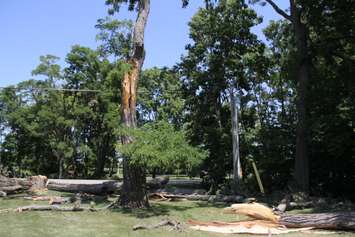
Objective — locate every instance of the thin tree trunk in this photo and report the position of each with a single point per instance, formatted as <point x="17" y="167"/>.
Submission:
<point x="237" y="170"/>
<point x="134" y="193"/>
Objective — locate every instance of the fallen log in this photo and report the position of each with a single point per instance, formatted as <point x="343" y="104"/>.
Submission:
<point x="52" y="208"/>
<point x="53" y="200"/>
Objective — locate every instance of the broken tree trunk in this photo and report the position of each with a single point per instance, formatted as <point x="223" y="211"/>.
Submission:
<point x="335" y="221"/>
<point x="134" y="192"/>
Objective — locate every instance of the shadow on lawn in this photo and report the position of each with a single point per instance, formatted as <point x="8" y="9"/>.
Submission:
<point x="164" y="209"/>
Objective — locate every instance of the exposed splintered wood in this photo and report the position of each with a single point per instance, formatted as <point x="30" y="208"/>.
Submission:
<point x="254" y="210"/>
<point x="335" y="221"/>
<point x="38" y="182"/>
<point x="266" y="222"/>
<point x="259" y="227"/>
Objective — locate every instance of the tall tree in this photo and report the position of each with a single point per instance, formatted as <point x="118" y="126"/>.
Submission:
<point x="300" y="31"/>
<point x="217" y="65"/>
<point x="134" y="177"/>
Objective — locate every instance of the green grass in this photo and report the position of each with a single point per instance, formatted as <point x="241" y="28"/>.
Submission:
<point x="117" y="222"/>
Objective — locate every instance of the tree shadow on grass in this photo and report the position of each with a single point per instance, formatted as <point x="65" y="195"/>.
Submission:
<point x="165" y="208"/>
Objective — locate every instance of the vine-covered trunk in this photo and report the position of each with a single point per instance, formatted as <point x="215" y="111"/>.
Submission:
<point x="134" y="193"/>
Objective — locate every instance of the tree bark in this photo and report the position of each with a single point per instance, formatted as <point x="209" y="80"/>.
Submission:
<point x="134" y="193"/>
<point x="335" y="221"/>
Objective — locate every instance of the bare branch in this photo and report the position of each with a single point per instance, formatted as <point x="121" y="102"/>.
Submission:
<point x="279" y="10"/>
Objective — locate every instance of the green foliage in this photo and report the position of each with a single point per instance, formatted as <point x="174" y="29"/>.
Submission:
<point x="160" y="145"/>
<point x="115" y="36"/>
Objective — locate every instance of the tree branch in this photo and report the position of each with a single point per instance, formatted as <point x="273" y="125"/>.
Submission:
<point x="279" y="10"/>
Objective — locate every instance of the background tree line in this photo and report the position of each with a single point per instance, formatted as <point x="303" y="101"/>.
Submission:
<point x="184" y="112"/>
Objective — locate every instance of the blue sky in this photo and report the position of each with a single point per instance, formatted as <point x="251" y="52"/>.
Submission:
<point x="30" y="28"/>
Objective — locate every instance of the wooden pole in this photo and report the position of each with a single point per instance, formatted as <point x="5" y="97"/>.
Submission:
<point x="258" y="177"/>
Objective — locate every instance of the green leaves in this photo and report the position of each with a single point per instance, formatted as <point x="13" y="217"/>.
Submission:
<point x="160" y="145"/>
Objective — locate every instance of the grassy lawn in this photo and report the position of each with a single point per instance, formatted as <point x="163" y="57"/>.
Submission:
<point x="112" y="223"/>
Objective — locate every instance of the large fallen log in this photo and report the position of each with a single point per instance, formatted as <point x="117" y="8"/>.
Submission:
<point x="97" y="186"/>
<point x="332" y="221"/>
<point x="84" y="186"/>
<point x="13" y="185"/>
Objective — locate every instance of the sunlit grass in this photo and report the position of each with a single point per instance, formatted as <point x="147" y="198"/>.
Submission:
<point x="112" y="223"/>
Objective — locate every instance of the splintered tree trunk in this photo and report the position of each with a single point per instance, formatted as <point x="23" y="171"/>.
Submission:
<point x="134" y="193"/>
<point x="237" y="170"/>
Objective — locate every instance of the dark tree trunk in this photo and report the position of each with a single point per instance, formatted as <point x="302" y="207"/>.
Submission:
<point x="301" y="161"/>
<point x="61" y="168"/>
<point x="101" y="157"/>
<point x="300" y="32"/>
<point x="134" y="193"/>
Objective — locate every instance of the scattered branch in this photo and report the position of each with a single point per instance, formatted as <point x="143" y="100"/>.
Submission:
<point x="175" y="225"/>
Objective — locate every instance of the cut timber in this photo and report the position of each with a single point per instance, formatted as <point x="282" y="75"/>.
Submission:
<point x="334" y="221"/>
